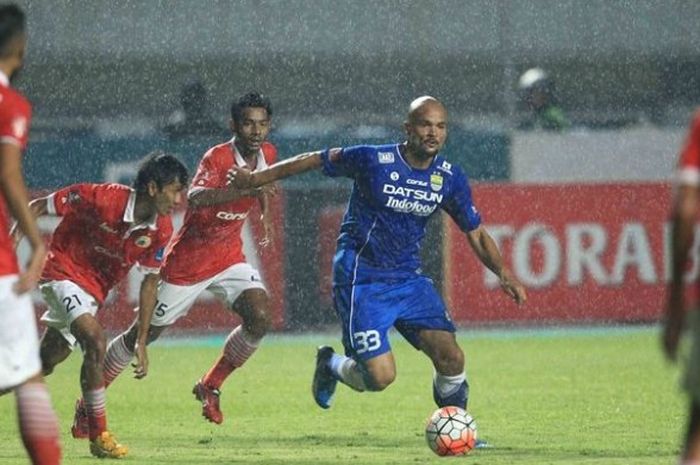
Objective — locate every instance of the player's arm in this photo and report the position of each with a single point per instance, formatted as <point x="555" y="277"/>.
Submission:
<point x="685" y="209"/>
<point x="15" y="192"/>
<point x="485" y="248"/>
<point x="204" y="197"/>
<point x="243" y="178"/>
<point x="266" y="218"/>
<point x="147" y="304"/>
<point x="38" y="207"/>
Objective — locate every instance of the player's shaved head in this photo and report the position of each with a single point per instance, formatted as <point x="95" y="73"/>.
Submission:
<point x="421" y="104"/>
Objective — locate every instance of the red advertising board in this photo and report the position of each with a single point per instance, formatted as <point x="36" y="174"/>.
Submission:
<point x="585" y="252"/>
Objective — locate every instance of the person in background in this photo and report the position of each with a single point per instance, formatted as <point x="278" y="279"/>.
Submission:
<point x="537" y="93"/>
<point x="686" y="205"/>
<point x="192" y="118"/>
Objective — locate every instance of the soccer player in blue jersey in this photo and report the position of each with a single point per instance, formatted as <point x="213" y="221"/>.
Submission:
<point x="377" y="277"/>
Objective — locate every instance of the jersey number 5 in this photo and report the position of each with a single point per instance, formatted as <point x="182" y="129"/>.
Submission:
<point x="161" y="309"/>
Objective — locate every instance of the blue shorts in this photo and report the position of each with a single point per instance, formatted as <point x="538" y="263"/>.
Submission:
<point x="368" y="311"/>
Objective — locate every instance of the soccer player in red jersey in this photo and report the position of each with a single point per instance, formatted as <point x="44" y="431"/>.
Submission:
<point x="20" y="367"/>
<point x="684" y="217"/>
<point x="207" y="253"/>
<point x="104" y="230"/>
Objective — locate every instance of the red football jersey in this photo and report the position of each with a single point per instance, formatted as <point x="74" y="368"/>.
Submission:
<point x="689" y="163"/>
<point x="210" y="238"/>
<point x="15" y="116"/>
<point x="96" y="243"/>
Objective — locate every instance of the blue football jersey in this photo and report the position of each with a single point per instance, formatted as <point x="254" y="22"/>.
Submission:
<point x="389" y="208"/>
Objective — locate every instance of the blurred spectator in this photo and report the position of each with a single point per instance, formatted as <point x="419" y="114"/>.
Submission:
<point x="193" y="118"/>
<point x="537" y="93"/>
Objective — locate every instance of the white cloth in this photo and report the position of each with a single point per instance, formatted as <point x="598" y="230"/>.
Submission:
<point x="175" y="301"/>
<point x="19" y="339"/>
<point x="66" y="301"/>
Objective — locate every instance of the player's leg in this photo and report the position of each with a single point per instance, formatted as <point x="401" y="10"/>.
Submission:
<point x="38" y="424"/>
<point x="450" y="385"/>
<point x="425" y="323"/>
<point x="691" y="383"/>
<point x="53" y="349"/>
<point x="366" y="312"/>
<point x="691" y="453"/>
<point x="88" y="331"/>
<point x="120" y="350"/>
<point x="172" y="303"/>
<point x="241" y="287"/>
<point x="20" y="369"/>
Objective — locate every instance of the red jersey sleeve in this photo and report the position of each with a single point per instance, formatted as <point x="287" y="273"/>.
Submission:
<point x="270" y="153"/>
<point x="689" y="163"/>
<point x="211" y="172"/>
<point x="72" y="199"/>
<point x="15" y="116"/>
<point x="152" y="258"/>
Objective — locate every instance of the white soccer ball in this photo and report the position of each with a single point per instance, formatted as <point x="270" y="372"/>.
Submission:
<point x="451" y="431"/>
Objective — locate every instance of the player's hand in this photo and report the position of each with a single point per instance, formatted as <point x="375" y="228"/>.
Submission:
<point x="267" y="240"/>
<point x="513" y="288"/>
<point x="29" y="279"/>
<point x="141" y="365"/>
<point x="270" y="189"/>
<point x="239" y="177"/>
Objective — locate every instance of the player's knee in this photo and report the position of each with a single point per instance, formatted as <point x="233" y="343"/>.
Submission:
<point x="94" y="346"/>
<point x="258" y="322"/>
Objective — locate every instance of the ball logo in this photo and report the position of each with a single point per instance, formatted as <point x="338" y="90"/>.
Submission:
<point x="143" y="242"/>
<point x="394" y="176"/>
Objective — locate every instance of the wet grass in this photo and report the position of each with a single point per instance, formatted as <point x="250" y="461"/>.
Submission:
<point x="599" y="397"/>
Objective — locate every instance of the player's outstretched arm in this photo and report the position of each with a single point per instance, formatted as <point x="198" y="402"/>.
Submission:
<point x="37" y="207"/>
<point x="208" y="197"/>
<point x="685" y="208"/>
<point x="245" y="179"/>
<point x="147" y="304"/>
<point x="485" y="248"/>
<point x="15" y="192"/>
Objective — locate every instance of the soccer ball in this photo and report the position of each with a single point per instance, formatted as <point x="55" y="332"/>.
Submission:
<point x="451" y="431"/>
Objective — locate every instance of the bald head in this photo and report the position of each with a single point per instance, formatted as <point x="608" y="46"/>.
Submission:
<point x="422" y="104"/>
<point x="426" y="129"/>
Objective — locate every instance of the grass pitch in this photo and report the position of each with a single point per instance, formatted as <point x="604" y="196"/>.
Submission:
<point x="598" y="396"/>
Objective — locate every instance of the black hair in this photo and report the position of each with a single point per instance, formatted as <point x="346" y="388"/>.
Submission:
<point x="250" y="100"/>
<point x="161" y="168"/>
<point x="12" y="23"/>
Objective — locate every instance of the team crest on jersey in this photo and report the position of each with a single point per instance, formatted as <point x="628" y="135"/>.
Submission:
<point x="143" y="242"/>
<point x="72" y="197"/>
<point x="385" y="157"/>
<point x="435" y="182"/>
